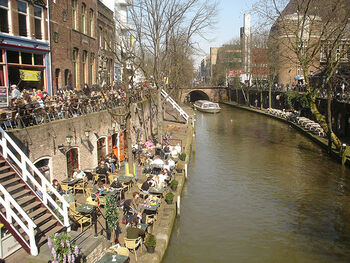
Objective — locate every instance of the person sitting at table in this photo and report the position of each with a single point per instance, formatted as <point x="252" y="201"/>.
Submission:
<point x="57" y="186"/>
<point x="78" y="174"/>
<point x="171" y="164"/>
<point x="133" y="231"/>
<point x="116" y="184"/>
<point x="102" y="169"/>
<point x="147" y="184"/>
<point x="101" y="188"/>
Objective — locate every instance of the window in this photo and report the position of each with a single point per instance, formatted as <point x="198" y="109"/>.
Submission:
<point x="74" y="14"/>
<point x="38" y="12"/>
<point x="91" y="69"/>
<point x="12" y="56"/>
<point x="83" y="22"/>
<point x="101" y="37"/>
<point x="38" y="59"/>
<point x="84" y="65"/>
<point x="75" y="67"/>
<point x="22" y="18"/>
<point x="91" y="23"/>
<point x="26" y="58"/>
<point x="4" y="19"/>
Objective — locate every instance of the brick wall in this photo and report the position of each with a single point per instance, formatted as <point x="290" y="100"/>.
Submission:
<point x="64" y="39"/>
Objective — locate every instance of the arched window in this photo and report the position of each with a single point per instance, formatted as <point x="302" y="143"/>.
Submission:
<point x="44" y="167"/>
<point x="83" y="18"/>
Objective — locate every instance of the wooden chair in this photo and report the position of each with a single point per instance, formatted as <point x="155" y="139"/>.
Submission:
<point x="132" y="244"/>
<point x="123" y="251"/>
<point x="66" y="187"/>
<point x="110" y="179"/>
<point x="80" y="186"/>
<point x="150" y="219"/>
<point x="82" y="219"/>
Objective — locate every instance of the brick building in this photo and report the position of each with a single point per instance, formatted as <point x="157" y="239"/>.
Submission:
<point x="74" y="43"/>
<point x="106" y="37"/>
<point x="295" y="36"/>
<point x="24" y="44"/>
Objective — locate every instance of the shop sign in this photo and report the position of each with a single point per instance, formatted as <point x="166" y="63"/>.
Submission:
<point x="30" y="75"/>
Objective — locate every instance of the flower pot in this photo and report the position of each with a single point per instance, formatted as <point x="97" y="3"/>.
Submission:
<point x="169" y="202"/>
<point x="173" y="187"/>
<point x="150" y="249"/>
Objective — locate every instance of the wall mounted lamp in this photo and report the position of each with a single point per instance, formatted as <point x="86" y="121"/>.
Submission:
<point x="64" y="149"/>
<point x="87" y="134"/>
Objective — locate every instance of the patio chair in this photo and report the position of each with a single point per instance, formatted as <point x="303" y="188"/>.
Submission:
<point x="133" y="244"/>
<point x="123" y="251"/>
<point x="80" y="186"/>
<point x="66" y="187"/>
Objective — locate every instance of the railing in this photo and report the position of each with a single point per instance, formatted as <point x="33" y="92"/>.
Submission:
<point x="175" y="105"/>
<point x="25" y="166"/>
<point x="7" y="202"/>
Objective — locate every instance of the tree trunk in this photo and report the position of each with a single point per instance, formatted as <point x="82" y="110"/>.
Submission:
<point x="329" y="118"/>
<point x="159" y="115"/>
<point x="248" y="99"/>
<point x="323" y="123"/>
<point x="261" y="99"/>
<point x="270" y="94"/>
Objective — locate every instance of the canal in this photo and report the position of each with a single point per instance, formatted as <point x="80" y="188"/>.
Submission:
<point x="258" y="191"/>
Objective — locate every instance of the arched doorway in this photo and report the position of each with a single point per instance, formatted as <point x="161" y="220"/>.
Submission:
<point x="44" y="166"/>
<point x="72" y="161"/>
<point x="101" y="149"/>
<point x="197" y="95"/>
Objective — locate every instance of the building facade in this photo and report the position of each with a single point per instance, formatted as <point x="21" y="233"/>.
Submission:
<point x="24" y="44"/>
<point x="106" y="39"/>
<point x="74" y="43"/>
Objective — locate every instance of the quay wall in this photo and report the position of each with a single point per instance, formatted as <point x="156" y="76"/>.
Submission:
<point x="165" y="223"/>
<point x="322" y="142"/>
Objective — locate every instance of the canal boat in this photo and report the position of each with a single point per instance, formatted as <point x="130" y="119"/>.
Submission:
<point x="207" y="106"/>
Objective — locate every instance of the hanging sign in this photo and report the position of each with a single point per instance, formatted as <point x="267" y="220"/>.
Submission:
<point x="30" y="75"/>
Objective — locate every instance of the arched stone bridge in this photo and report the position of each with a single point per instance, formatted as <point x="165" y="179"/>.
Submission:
<point x="212" y="93"/>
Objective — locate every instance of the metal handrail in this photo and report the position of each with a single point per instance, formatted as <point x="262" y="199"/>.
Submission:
<point x="10" y="214"/>
<point x="24" y="164"/>
<point x="175" y="105"/>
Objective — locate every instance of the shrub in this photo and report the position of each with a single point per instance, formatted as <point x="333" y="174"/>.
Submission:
<point x="169" y="196"/>
<point x="62" y="249"/>
<point x="150" y="240"/>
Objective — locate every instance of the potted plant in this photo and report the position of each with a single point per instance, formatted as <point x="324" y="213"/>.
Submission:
<point x="173" y="185"/>
<point x="169" y="198"/>
<point x="112" y="215"/>
<point x="150" y="243"/>
<point x="62" y="249"/>
<point x="182" y="156"/>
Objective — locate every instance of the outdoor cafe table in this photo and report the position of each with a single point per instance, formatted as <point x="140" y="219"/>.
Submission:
<point x="85" y="209"/>
<point x="156" y="191"/>
<point x="142" y="226"/>
<point x="115" y="258"/>
<point x="125" y="179"/>
<point x="70" y="181"/>
<point x="151" y="206"/>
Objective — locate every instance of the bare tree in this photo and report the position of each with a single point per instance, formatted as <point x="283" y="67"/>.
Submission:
<point x="155" y="24"/>
<point x="303" y="31"/>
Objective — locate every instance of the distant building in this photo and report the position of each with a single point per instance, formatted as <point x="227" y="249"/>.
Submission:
<point x="246" y="43"/>
<point x="24" y="44"/>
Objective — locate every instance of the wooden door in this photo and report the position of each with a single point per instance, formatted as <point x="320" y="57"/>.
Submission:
<point x="101" y="149"/>
<point x="72" y="161"/>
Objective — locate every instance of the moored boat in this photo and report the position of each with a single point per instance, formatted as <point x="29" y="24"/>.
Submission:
<point x="207" y="106"/>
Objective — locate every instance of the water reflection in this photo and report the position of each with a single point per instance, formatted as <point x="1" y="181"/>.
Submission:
<point x="258" y="191"/>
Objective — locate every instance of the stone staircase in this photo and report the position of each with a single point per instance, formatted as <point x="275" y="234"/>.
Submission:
<point x="175" y="105"/>
<point x="30" y="208"/>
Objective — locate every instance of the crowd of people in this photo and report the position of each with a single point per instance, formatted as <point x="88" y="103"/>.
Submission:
<point x="32" y="107"/>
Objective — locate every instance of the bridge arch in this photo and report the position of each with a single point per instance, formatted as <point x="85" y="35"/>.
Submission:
<point x="197" y="95"/>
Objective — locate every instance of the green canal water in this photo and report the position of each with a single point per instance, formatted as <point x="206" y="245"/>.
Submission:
<point x="258" y="191"/>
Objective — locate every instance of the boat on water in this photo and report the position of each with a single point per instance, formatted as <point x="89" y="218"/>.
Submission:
<point x="207" y="106"/>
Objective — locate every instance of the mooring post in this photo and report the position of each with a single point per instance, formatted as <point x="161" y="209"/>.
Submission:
<point x="186" y="171"/>
<point x="178" y="205"/>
